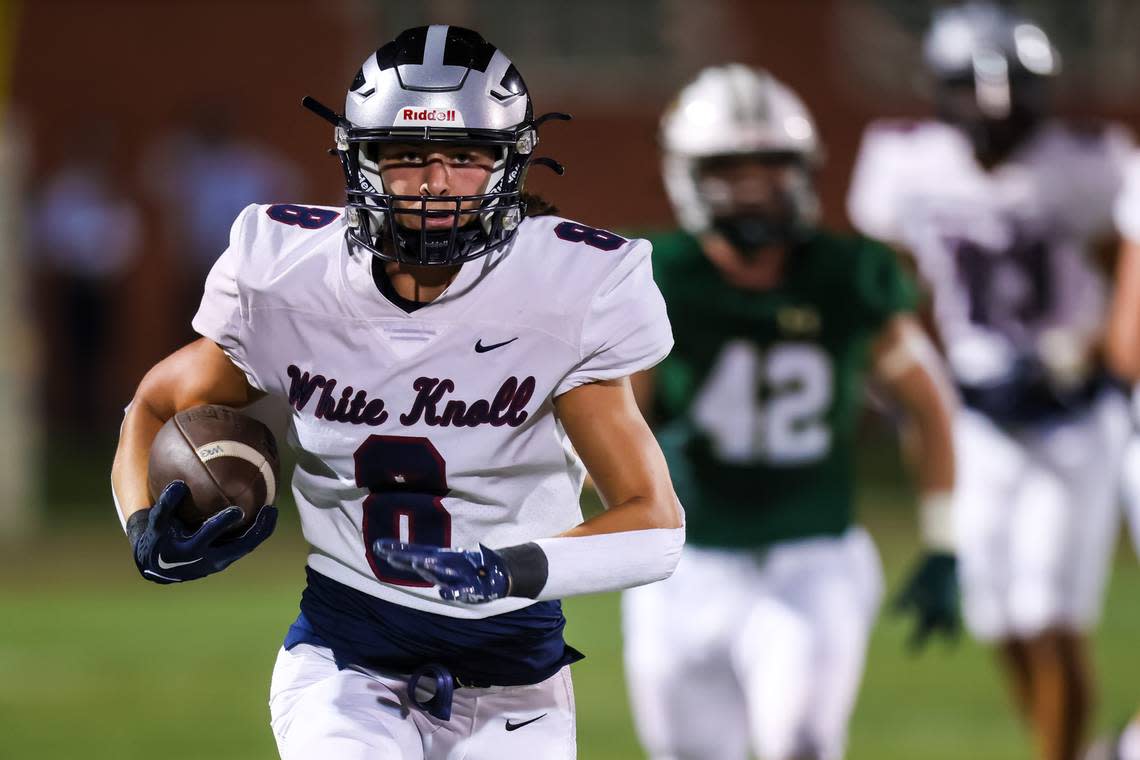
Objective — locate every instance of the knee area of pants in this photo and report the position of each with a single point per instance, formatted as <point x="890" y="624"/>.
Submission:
<point x="796" y="748"/>
<point x="341" y="747"/>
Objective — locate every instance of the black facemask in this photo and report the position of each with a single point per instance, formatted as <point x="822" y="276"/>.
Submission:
<point x="435" y="246"/>
<point x="752" y="232"/>
<point x="994" y="139"/>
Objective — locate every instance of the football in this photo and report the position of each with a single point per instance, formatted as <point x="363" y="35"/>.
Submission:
<point x="225" y="457"/>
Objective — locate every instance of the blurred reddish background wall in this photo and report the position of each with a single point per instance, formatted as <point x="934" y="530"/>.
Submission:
<point x="143" y="66"/>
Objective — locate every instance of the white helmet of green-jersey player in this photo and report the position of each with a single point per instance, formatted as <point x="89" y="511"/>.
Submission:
<point x="737" y="113"/>
<point x="440" y="85"/>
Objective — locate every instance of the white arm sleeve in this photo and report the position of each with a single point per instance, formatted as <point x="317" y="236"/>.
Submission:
<point x="222" y="313"/>
<point x="625" y="329"/>
<point x="609" y="561"/>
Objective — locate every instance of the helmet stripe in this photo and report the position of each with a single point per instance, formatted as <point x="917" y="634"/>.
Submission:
<point x="467" y="48"/>
<point x="405" y="49"/>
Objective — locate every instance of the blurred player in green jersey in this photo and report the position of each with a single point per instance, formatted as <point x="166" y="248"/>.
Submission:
<point x="757" y="643"/>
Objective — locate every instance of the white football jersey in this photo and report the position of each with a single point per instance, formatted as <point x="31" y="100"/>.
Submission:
<point x="436" y="426"/>
<point x="1006" y="252"/>
<point x="1128" y="203"/>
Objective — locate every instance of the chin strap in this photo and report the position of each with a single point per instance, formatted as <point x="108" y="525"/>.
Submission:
<point x="320" y="109"/>
<point x="552" y="116"/>
<point x="549" y="163"/>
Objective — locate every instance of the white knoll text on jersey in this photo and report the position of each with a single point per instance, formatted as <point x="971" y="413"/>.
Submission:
<point x="435" y="426"/>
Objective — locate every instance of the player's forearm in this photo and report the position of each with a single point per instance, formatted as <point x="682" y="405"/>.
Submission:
<point x="907" y="363"/>
<point x="1122" y="339"/>
<point x="639" y="513"/>
<point x="630" y="544"/>
<point x="199" y="373"/>
<point x="129" y="470"/>
<point x="931" y="452"/>
<point x="638" y="538"/>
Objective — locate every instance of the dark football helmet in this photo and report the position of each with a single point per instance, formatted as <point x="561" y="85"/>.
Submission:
<point x="442" y="85"/>
<point x="993" y="69"/>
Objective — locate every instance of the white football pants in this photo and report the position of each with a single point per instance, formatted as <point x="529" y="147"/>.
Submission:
<point x="1036" y="519"/>
<point x="320" y="712"/>
<point x="1130" y="475"/>
<point x="1130" y="489"/>
<point x="743" y="649"/>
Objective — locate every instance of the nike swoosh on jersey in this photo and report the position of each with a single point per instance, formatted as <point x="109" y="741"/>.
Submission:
<point x="163" y="564"/>
<point x="481" y="349"/>
<point x="517" y="726"/>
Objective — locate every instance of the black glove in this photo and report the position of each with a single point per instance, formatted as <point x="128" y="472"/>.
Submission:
<point x="167" y="552"/>
<point x="932" y="592"/>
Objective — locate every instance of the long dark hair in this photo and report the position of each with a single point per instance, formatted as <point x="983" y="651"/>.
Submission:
<point x="536" y="205"/>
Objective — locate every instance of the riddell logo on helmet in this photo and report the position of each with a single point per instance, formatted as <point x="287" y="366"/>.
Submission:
<point x="448" y="116"/>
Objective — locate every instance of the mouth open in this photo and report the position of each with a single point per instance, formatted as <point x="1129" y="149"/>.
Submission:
<point x="439" y="222"/>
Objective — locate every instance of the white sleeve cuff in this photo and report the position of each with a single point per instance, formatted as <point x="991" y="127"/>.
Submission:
<point x="936" y="521"/>
<point x="609" y="561"/>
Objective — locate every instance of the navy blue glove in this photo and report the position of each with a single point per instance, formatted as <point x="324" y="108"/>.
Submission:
<point x="167" y="552"/>
<point x="472" y="577"/>
<point x="932" y="592"/>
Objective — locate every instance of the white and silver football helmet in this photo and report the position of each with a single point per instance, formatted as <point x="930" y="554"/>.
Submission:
<point x="736" y="112"/>
<point x="992" y="68"/>
<point x="444" y="85"/>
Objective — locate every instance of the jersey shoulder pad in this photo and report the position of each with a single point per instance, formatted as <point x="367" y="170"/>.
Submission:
<point x="1127" y="205"/>
<point x="909" y="133"/>
<point x="271" y="239"/>
<point x="1085" y="145"/>
<point x="1087" y="164"/>
<point x="894" y="164"/>
<point x="292" y="264"/>
<point x="864" y="274"/>
<point x="895" y="126"/>
<point x="574" y="255"/>
<point x="594" y="289"/>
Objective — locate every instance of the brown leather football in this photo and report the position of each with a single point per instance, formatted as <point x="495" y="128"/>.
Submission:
<point x="225" y="457"/>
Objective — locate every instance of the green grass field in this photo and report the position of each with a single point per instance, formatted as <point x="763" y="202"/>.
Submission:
<point x="95" y="663"/>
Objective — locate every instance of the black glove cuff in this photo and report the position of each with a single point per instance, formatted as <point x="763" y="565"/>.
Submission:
<point x="527" y="569"/>
<point x="136" y="526"/>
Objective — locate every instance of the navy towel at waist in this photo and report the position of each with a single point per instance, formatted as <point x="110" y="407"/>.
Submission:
<point x="512" y="649"/>
<point x="1029" y="399"/>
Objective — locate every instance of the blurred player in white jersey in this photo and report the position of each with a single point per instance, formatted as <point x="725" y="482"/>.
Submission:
<point x="1003" y="208"/>
<point x="450" y="363"/>
<point x="1122" y="349"/>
